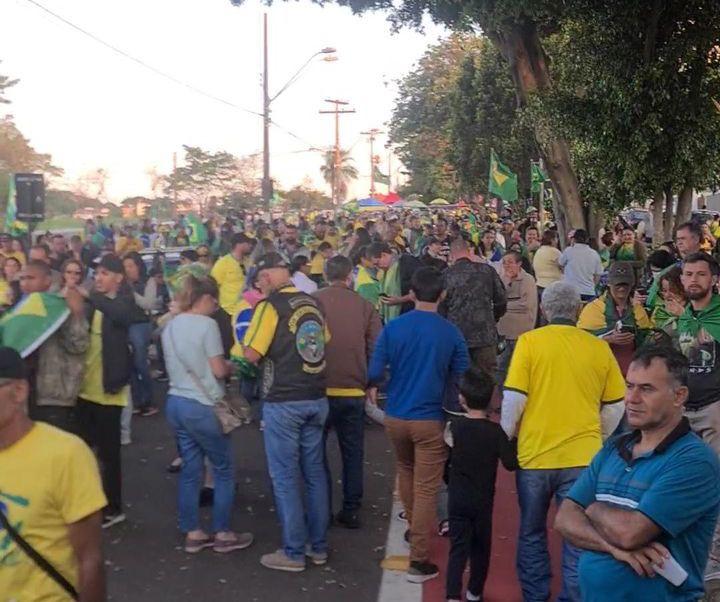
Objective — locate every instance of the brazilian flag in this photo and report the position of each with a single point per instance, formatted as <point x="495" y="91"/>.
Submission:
<point x="503" y="182"/>
<point x="32" y="321"/>
<point x="198" y="231"/>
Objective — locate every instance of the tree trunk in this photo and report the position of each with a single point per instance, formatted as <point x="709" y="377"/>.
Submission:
<point x="521" y="47"/>
<point x="657" y="216"/>
<point x="669" y="215"/>
<point x="595" y="222"/>
<point x="684" y="205"/>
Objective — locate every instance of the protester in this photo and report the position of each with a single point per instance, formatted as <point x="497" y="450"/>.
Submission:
<point x="104" y="391"/>
<point x="196" y="364"/>
<point x="51" y="497"/>
<point x="581" y="266"/>
<point x="649" y="498"/>
<point x="477" y="446"/>
<point x="397" y="271"/>
<point x="347" y="353"/>
<point x="300" y="274"/>
<point x="287" y="336"/>
<point x="474" y="301"/>
<point x="11" y="281"/>
<point x="229" y="272"/>
<point x="522" y="309"/>
<point x="423" y="351"/>
<point x="560" y="398"/>
<point x="367" y="283"/>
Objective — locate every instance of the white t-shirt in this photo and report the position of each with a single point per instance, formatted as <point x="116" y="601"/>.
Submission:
<point x="197" y="339"/>
<point x="303" y="283"/>
<point x="581" y="264"/>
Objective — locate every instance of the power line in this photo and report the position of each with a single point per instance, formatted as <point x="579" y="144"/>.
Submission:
<point x="140" y="62"/>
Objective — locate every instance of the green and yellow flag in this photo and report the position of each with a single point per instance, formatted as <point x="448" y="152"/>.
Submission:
<point x="502" y="181"/>
<point x="12" y="225"/>
<point x="32" y="321"/>
<point x="537" y="177"/>
<point x="198" y="231"/>
<point x="380" y="177"/>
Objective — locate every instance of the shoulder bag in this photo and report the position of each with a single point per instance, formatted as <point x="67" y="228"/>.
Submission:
<point x="230" y="410"/>
<point x="38" y="558"/>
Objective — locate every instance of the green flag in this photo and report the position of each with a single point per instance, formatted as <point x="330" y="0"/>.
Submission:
<point x="380" y="177"/>
<point x="537" y="177"/>
<point x="502" y="181"/>
<point x="276" y="199"/>
<point x="12" y="225"/>
<point x="31" y="322"/>
<point x="198" y="231"/>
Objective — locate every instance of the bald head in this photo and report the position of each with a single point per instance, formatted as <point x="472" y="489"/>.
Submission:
<point x="36" y="277"/>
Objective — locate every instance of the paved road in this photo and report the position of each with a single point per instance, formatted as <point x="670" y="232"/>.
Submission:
<point x="146" y="564"/>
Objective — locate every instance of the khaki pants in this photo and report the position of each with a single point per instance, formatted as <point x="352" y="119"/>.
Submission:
<point x="421" y="453"/>
<point x="706" y="423"/>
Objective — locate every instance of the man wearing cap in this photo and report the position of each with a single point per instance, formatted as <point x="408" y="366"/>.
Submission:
<point x="50" y="494"/>
<point x="617" y="316"/>
<point x="287" y="336"/>
<point x="104" y="390"/>
<point x="229" y="272"/>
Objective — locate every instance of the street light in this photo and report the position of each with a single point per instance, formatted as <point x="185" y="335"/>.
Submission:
<point x="267" y="187"/>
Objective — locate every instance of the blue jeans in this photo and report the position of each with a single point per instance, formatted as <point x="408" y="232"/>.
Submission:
<point x="198" y="434"/>
<point x="295" y="455"/>
<point x="536" y="488"/>
<point x="347" y="417"/>
<point x="141" y="381"/>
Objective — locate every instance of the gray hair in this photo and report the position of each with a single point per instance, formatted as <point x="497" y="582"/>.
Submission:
<point x="561" y="300"/>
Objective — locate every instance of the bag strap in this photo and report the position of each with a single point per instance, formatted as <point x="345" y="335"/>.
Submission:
<point x="38" y="558"/>
<point x="195" y="378"/>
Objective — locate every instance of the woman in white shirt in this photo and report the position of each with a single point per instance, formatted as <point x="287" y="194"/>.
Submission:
<point x="300" y="270"/>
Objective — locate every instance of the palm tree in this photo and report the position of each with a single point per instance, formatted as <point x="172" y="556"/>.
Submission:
<point x="346" y="172"/>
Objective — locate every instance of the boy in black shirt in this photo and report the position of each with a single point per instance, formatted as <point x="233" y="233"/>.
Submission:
<point x="477" y="445"/>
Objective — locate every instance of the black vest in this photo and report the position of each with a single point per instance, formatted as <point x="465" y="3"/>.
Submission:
<point x="294" y="367"/>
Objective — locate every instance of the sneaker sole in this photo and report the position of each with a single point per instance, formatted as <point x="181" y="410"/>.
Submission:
<point x="233" y="548"/>
<point x="197" y="549"/>
<point x="287" y="569"/>
<point x="421" y="578"/>
<point x="317" y="561"/>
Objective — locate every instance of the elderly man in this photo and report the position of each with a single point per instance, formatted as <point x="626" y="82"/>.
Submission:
<point x="522" y="307"/>
<point x="287" y="336"/>
<point x="562" y="390"/>
<point x="650" y="498"/>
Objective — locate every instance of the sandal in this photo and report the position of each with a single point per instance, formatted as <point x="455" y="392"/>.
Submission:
<point x="193" y="546"/>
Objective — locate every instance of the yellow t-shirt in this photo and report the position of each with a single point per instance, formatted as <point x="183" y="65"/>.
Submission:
<point x="317" y="264"/>
<point x="230" y="276"/>
<point x="92" y="384"/>
<point x="565" y="384"/>
<point x="48" y="480"/>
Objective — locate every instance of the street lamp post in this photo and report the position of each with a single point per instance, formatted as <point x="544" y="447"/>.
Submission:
<point x="267" y="185"/>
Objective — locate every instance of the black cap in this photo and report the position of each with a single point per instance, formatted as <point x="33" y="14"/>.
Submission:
<point x="621" y="272"/>
<point x="11" y="364"/>
<point x="271" y="260"/>
<point x="112" y="263"/>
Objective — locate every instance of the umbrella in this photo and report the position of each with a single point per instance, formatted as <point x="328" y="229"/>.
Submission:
<point x="414" y="205"/>
<point x="437" y="202"/>
<point x="371" y="204"/>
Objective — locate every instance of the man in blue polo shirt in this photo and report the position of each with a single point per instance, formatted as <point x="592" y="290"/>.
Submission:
<point x="648" y="495"/>
<point x="423" y="351"/>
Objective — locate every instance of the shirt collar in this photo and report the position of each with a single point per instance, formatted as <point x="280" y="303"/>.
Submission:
<point x="625" y="442"/>
<point x="563" y="322"/>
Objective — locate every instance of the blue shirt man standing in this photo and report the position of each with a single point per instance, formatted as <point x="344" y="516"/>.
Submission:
<point x="649" y="498"/>
<point x="423" y="352"/>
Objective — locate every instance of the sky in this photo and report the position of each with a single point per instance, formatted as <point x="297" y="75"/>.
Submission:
<point x="91" y="108"/>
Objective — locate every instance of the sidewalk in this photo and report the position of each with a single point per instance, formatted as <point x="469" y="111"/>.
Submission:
<point x="502" y="584"/>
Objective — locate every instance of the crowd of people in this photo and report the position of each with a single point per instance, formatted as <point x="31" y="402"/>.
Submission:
<point x="432" y="323"/>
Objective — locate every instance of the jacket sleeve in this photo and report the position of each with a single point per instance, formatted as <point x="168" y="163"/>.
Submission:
<point x="121" y="310"/>
<point x="372" y="331"/>
<point x="148" y="300"/>
<point x="499" y="296"/>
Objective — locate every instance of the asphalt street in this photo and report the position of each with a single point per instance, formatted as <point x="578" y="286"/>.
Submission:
<point x="145" y="561"/>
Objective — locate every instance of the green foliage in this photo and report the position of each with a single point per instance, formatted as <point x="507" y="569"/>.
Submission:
<point x="5" y="83"/>
<point x="346" y="173"/>
<point x="304" y="198"/>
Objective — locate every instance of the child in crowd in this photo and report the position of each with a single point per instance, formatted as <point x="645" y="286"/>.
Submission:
<point x="477" y="445"/>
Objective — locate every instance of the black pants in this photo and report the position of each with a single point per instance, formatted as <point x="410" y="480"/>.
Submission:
<point x="64" y="418"/>
<point x="470" y="537"/>
<point x="347" y="417"/>
<point x="100" y="428"/>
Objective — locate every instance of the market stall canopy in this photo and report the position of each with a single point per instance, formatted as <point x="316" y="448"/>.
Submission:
<point x="371" y="204"/>
<point x="438" y="202"/>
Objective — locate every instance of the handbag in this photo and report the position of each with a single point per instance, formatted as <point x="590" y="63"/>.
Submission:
<point x="40" y="560"/>
<point x="231" y="411"/>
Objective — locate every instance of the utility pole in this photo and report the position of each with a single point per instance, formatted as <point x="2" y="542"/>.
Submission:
<point x="174" y="208"/>
<point x="372" y="134"/>
<point x="337" y="111"/>
<point x="266" y="181"/>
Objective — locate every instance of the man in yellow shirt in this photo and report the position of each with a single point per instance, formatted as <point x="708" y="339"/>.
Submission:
<point x="104" y="388"/>
<point x="561" y="398"/>
<point x="229" y="272"/>
<point x="51" y="497"/>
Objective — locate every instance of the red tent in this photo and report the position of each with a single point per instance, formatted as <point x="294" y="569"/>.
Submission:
<point x="388" y="199"/>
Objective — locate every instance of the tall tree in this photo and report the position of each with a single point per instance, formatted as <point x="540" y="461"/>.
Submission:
<point x="346" y="173"/>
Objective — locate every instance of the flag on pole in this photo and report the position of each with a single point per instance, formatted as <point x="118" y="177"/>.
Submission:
<point x="198" y="231"/>
<point x="380" y="177"/>
<point x="32" y="321"/>
<point x="537" y="177"/>
<point x="12" y="225"/>
<point x="502" y="181"/>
